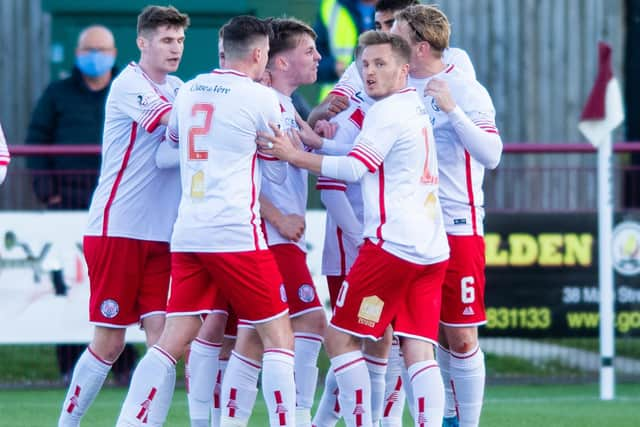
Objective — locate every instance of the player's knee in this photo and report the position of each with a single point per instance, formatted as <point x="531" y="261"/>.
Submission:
<point x="462" y="340"/>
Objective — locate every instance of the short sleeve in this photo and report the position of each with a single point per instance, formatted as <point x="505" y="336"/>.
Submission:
<point x="375" y="141"/>
<point x="138" y="99"/>
<point x="269" y="112"/>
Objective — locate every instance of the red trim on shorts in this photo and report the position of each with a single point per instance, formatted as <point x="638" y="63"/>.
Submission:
<point x="98" y="358"/>
<point x="256" y="241"/>
<point x="116" y="183"/>
<point x="346" y="365"/>
<point x="343" y="255"/>
<point x="383" y="213"/>
<point x="467" y="163"/>
<point x="426" y="368"/>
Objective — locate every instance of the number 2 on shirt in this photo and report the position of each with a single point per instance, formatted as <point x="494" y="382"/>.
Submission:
<point x="194" y="131"/>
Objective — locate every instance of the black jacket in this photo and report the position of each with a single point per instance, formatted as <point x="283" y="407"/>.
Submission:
<point x="68" y="113"/>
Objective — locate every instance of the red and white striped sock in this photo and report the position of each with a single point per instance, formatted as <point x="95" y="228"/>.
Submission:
<point x="394" y="395"/>
<point x="217" y="393"/>
<point x="88" y="376"/>
<point x="328" y="412"/>
<point x="151" y="389"/>
<point x="428" y="392"/>
<point x="278" y="386"/>
<point x="353" y="381"/>
<point x="307" y="347"/>
<point x="239" y="390"/>
<point x="202" y="365"/>
<point x="377" y="368"/>
<point x="467" y="376"/>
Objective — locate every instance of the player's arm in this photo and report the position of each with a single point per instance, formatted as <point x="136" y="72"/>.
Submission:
<point x="138" y="100"/>
<point x="328" y="108"/>
<point x="290" y="226"/>
<point x="479" y="136"/>
<point x="338" y="206"/>
<point x="4" y="156"/>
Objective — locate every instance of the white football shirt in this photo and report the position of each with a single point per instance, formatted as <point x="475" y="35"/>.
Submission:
<point x="461" y="176"/>
<point x="221" y="169"/>
<point x="289" y="197"/>
<point x="402" y="210"/>
<point x="134" y="198"/>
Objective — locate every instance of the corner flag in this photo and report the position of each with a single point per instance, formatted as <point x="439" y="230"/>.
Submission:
<point x="604" y="110"/>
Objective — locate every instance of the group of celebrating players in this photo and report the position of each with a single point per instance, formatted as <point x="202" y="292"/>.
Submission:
<point x="196" y="228"/>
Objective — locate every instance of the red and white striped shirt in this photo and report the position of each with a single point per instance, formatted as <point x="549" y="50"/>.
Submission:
<point x="461" y="168"/>
<point x="215" y="121"/>
<point x="5" y="158"/>
<point x="134" y="198"/>
<point x="402" y="211"/>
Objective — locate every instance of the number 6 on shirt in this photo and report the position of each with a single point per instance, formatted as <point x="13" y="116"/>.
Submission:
<point x="194" y="131"/>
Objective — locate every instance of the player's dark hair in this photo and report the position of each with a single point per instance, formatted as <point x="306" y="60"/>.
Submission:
<point x="241" y="32"/>
<point x="153" y="17"/>
<point x="286" y="34"/>
<point x="394" y="5"/>
<point x="399" y="46"/>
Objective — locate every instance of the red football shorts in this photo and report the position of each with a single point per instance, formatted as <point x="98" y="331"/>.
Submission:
<point x="382" y="287"/>
<point x="129" y="279"/>
<point x="249" y="281"/>
<point x="464" y="283"/>
<point x="301" y="292"/>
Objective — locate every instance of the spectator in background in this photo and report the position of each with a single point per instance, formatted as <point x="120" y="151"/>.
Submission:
<point x="338" y="25"/>
<point x="4" y="156"/>
<point x="71" y="112"/>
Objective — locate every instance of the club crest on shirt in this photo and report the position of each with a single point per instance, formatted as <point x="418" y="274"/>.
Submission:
<point x="370" y="310"/>
<point x="144" y="99"/>
<point x="306" y="292"/>
<point x="109" y="308"/>
<point x="283" y="293"/>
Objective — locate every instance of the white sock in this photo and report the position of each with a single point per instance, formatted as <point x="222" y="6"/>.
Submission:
<point x="394" y="395"/>
<point x="151" y="383"/>
<point x="217" y="393"/>
<point x="377" y="368"/>
<point x="328" y="412"/>
<point x="353" y="381"/>
<point x="443" y="357"/>
<point x="408" y="389"/>
<point x="88" y="376"/>
<point x="428" y="391"/>
<point x="239" y="390"/>
<point x="278" y="386"/>
<point x="467" y="375"/>
<point x="202" y="366"/>
<point x="306" y="350"/>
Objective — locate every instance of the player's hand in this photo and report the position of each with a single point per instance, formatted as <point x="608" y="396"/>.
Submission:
<point x="279" y="144"/>
<point x="291" y="227"/>
<point x="336" y="104"/>
<point x="307" y="135"/>
<point x="3" y="173"/>
<point x="439" y="90"/>
<point x="325" y="129"/>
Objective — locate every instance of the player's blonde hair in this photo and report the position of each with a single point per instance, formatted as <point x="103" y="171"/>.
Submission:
<point x="428" y="24"/>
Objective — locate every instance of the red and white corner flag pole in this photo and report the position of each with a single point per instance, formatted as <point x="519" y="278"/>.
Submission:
<point x="603" y="113"/>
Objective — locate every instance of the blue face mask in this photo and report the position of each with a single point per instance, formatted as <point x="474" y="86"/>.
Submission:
<point x="95" y="63"/>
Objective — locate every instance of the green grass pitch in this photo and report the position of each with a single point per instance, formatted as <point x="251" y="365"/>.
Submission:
<point x="505" y="406"/>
